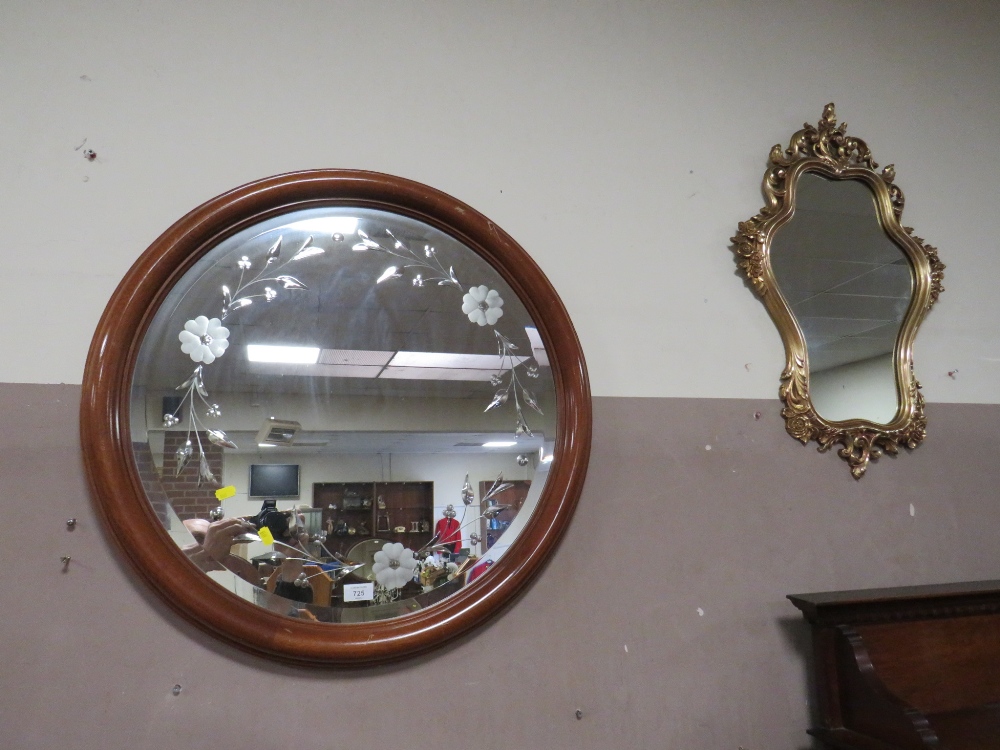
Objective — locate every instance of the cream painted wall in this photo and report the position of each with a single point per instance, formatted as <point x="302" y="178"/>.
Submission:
<point x="619" y="143"/>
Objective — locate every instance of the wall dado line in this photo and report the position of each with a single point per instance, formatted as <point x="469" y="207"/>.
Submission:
<point x="661" y="618"/>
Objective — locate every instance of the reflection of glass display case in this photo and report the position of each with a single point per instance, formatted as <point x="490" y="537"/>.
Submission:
<point x="353" y="511"/>
<point x="513" y="497"/>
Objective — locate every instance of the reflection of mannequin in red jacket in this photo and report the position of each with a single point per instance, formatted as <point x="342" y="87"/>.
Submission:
<point x="448" y="531"/>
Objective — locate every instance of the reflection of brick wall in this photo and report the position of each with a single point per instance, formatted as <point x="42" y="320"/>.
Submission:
<point x="150" y="480"/>
<point x="188" y="499"/>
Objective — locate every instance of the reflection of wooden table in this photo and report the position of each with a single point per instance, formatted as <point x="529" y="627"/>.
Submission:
<point x="913" y="667"/>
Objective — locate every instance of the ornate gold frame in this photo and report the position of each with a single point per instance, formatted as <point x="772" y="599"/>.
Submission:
<point x="827" y="150"/>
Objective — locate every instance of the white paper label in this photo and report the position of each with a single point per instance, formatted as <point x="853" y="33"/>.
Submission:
<point x="359" y="592"/>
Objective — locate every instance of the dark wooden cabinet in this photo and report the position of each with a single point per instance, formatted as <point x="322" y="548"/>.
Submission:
<point x="907" y="668"/>
<point x="356" y="511"/>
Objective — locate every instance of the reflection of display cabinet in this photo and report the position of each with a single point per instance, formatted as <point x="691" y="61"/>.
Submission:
<point x="395" y="511"/>
<point x="514" y="497"/>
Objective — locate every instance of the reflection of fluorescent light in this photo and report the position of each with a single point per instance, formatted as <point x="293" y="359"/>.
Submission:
<point x="354" y="357"/>
<point x="295" y="355"/>
<point x="434" y="373"/>
<point x="499" y="444"/>
<point x="358" y="363"/>
<point x="266" y="445"/>
<point x="489" y="362"/>
<point x="547" y="459"/>
<point x="446" y="366"/>
<point x="314" y="371"/>
<point x="333" y="363"/>
<point x="327" y="225"/>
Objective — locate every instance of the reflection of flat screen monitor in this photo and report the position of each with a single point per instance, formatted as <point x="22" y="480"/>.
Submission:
<point x="274" y="480"/>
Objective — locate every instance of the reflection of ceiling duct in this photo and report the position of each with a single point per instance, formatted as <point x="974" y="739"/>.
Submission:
<point x="278" y="432"/>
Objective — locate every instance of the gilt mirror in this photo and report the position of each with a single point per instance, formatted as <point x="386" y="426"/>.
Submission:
<point x="336" y="417"/>
<point x="847" y="286"/>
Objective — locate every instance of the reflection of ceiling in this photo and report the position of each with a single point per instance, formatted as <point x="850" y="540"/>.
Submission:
<point x="848" y="284"/>
<point x="401" y="367"/>
<point x="343" y="310"/>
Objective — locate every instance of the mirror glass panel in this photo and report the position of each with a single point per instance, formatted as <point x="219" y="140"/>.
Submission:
<point x="849" y="286"/>
<point x="359" y="400"/>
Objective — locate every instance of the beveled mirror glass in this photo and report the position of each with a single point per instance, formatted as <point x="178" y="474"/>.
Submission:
<point x="847" y="286"/>
<point x="336" y="417"/>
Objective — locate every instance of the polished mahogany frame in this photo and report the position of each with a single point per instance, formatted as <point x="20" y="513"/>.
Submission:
<point x="129" y="517"/>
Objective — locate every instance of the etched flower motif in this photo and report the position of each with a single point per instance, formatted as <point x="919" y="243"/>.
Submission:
<point x="244" y="263"/>
<point x="269" y="294"/>
<point x="214" y="411"/>
<point x="203" y="340"/>
<point x="522" y="426"/>
<point x="181" y="456"/>
<point x="366" y="244"/>
<point x="170" y="420"/>
<point x="418" y="280"/>
<point x="483" y="305"/>
<point x="394" y="566"/>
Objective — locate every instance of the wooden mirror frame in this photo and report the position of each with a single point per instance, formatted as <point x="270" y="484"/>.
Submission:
<point x="129" y="516"/>
<point x="827" y="150"/>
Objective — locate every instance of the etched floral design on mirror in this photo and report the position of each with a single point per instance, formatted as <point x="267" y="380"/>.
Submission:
<point x="314" y="371"/>
<point x="847" y="286"/>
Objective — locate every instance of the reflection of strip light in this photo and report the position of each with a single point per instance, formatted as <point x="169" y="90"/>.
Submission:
<point x="498" y="444"/>
<point x="453" y="361"/>
<point x="446" y="366"/>
<point x="327" y="225"/>
<point x="400" y="365"/>
<point x="266" y="445"/>
<point x="435" y="373"/>
<point x="291" y="355"/>
<point x="545" y="459"/>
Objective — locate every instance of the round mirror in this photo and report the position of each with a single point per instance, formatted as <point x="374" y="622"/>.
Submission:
<point x="336" y="417"/>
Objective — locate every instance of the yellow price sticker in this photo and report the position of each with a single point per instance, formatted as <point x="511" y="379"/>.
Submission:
<point x="265" y="535"/>
<point x="224" y="492"/>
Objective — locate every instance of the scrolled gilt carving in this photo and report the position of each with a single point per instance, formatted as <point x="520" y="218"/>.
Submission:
<point x="826" y="149"/>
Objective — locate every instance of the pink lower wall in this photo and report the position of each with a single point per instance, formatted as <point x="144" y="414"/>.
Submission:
<point x="662" y="617"/>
